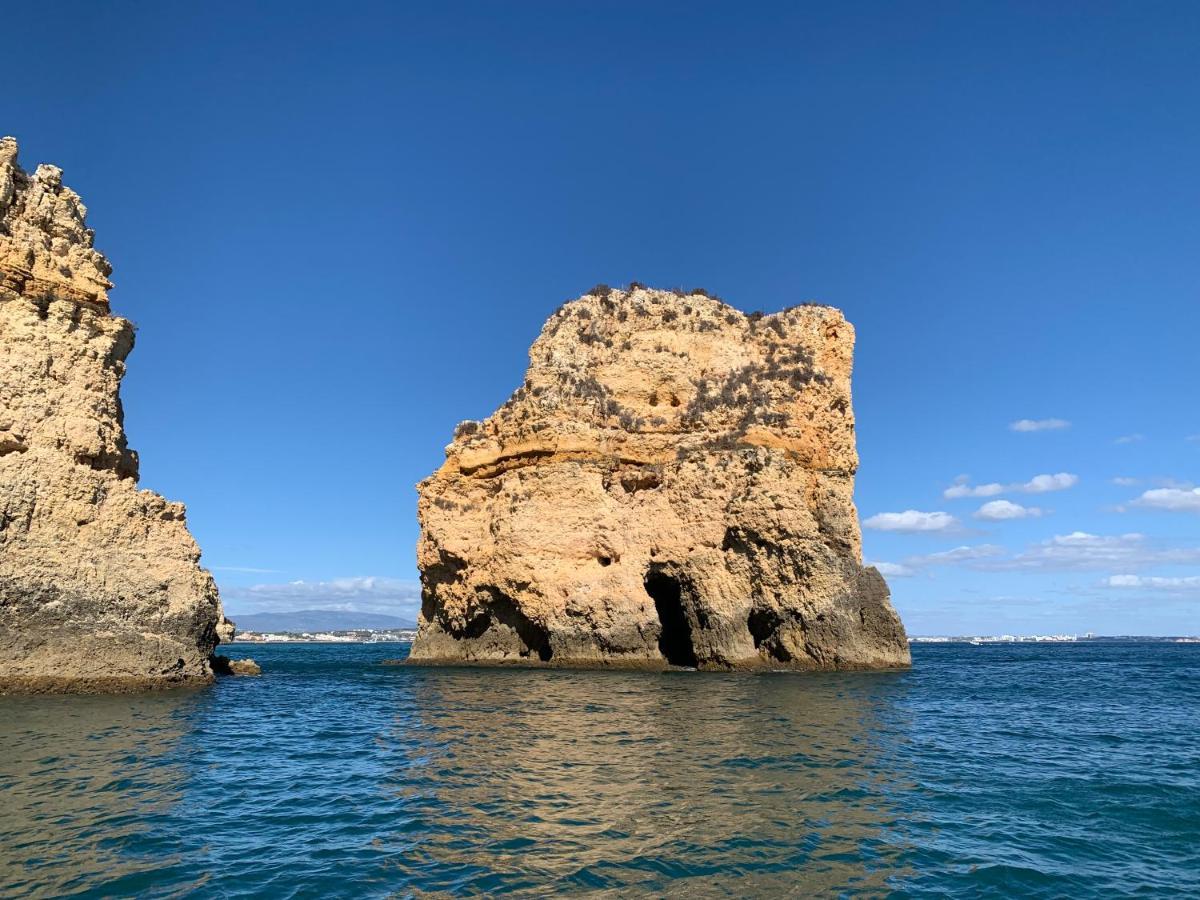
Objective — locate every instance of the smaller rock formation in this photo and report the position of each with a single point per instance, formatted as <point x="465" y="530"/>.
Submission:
<point x="223" y="665"/>
<point x="671" y="486"/>
<point x="100" y="583"/>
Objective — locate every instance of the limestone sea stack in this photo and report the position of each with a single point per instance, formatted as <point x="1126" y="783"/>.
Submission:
<point x="671" y="486"/>
<point x="100" y="582"/>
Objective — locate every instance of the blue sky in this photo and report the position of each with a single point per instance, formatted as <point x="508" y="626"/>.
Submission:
<point x="339" y="228"/>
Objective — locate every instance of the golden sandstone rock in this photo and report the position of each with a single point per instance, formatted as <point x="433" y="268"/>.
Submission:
<point x="100" y="583"/>
<point x="671" y="485"/>
<point x="223" y="665"/>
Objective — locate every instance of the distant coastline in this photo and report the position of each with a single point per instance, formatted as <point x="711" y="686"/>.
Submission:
<point x="406" y="636"/>
<point x="354" y="636"/>
<point x="1054" y="639"/>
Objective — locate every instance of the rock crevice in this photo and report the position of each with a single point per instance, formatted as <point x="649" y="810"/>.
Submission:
<point x="671" y="485"/>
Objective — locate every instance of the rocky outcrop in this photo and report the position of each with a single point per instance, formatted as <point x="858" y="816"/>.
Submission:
<point x="671" y="485"/>
<point x="223" y="665"/>
<point x="100" y="583"/>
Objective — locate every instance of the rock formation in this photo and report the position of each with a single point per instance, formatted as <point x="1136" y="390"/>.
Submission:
<point x="672" y="485"/>
<point x="100" y="583"/>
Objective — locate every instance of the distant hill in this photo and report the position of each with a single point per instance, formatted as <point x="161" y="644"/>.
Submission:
<point x="318" y="620"/>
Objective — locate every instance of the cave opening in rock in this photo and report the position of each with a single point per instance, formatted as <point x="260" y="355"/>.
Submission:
<point x="535" y="638"/>
<point x="675" y="637"/>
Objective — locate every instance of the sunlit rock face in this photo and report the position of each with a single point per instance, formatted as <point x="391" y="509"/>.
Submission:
<point x="671" y="485"/>
<point x="100" y="583"/>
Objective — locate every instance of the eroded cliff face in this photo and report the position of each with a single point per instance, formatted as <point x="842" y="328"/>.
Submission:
<point x="100" y="583"/>
<point x="672" y="485"/>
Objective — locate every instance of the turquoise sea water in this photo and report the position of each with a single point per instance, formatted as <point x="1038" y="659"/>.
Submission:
<point x="1044" y="771"/>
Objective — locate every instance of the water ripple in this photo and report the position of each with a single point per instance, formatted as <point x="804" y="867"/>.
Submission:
<point x="1033" y="771"/>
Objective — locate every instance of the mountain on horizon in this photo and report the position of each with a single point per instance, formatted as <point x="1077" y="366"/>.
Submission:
<point x="318" y="620"/>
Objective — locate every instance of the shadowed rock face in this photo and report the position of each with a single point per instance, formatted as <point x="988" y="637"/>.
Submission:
<point x="100" y="583"/>
<point x="672" y="485"/>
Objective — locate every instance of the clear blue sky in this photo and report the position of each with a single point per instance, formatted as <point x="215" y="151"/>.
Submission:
<point x="339" y="227"/>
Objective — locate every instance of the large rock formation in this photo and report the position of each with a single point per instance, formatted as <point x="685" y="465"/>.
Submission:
<point x="671" y="485"/>
<point x="100" y="583"/>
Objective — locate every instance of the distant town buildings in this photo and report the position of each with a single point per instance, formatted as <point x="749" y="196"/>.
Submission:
<point x="1046" y="639"/>
<point x="999" y="639"/>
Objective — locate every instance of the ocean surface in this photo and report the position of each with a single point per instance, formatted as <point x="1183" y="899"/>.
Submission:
<point x="1001" y="771"/>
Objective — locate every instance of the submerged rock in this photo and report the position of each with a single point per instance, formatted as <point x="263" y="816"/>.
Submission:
<point x="671" y="485"/>
<point x="100" y="583"/>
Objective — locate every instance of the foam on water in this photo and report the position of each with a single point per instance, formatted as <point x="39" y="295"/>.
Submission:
<point x="1066" y="770"/>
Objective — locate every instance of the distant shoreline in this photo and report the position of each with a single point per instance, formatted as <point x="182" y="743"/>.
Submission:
<point x="1060" y="639"/>
<point x="916" y="639"/>
<point x="303" y="640"/>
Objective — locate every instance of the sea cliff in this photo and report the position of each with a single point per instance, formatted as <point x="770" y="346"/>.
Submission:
<point x="670" y="486"/>
<point x="100" y="582"/>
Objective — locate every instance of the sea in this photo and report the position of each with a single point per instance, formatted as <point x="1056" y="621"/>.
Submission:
<point x="1009" y="770"/>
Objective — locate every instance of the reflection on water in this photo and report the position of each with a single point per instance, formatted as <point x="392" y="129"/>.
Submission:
<point x="606" y="780"/>
<point x="81" y="779"/>
<point x="1027" y="771"/>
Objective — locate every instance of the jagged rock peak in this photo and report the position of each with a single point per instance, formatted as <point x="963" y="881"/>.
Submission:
<point x="45" y="245"/>
<point x="671" y="484"/>
<point x="100" y="582"/>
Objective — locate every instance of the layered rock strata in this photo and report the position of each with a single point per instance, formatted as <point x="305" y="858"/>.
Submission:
<point x="100" y="582"/>
<point x="671" y="486"/>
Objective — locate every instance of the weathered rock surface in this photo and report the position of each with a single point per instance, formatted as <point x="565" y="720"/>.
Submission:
<point x="223" y="665"/>
<point x="672" y="485"/>
<point x="100" y="582"/>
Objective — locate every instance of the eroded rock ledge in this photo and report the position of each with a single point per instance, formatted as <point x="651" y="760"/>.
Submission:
<point x="100" y="583"/>
<point x="671" y="486"/>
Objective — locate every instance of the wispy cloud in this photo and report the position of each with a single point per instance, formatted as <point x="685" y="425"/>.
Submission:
<point x="956" y="556"/>
<point x="1039" y="425"/>
<point x="1076" y="551"/>
<point x="1081" y="550"/>
<point x="912" y="521"/>
<point x="893" y="570"/>
<point x="1001" y="510"/>
<point x="1130" y="439"/>
<point x="1173" y="499"/>
<point x="963" y="488"/>
<point x="1041" y="484"/>
<point x="375" y="594"/>
<point x="916" y="565"/>
<point x="1154" y="582"/>
<point x="1125" y="482"/>
<point x="1038" y="484"/>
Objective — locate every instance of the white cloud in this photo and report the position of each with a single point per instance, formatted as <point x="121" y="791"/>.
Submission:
<point x="374" y="594"/>
<point x="1039" y="425"/>
<point x="1174" y="499"/>
<point x="1038" y="484"/>
<point x="1080" y="550"/>
<point x="911" y="521"/>
<point x="957" y="555"/>
<point x="1125" y="482"/>
<point x="893" y="570"/>
<point x="1041" y="484"/>
<point x="961" y="488"/>
<point x="1130" y="439"/>
<point x="1154" y="582"/>
<point x="1000" y="510"/>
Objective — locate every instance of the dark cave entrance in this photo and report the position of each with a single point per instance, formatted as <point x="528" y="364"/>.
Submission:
<point x="675" y="639"/>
